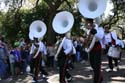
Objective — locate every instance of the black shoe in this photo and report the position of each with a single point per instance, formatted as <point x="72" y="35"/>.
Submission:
<point x="35" y="80"/>
<point x="44" y="73"/>
<point x="69" y="79"/>
<point x="101" y="78"/>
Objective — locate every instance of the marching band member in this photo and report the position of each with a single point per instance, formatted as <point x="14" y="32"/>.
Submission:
<point x="111" y="41"/>
<point x="63" y="26"/>
<point x="96" y="35"/>
<point x="63" y="53"/>
<point x="37" y="51"/>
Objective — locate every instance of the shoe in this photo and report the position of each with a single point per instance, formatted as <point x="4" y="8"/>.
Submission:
<point x="90" y="69"/>
<point x="119" y="61"/>
<point x="45" y="73"/>
<point x="115" y="69"/>
<point x="69" y="79"/>
<point x="40" y="80"/>
<point x="34" y="80"/>
<point x="109" y="70"/>
<point x="44" y="76"/>
<point x="10" y="79"/>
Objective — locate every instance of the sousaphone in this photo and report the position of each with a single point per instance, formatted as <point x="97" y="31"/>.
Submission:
<point x="92" y="8"/>
<point x="37" y="29"/>
<point x="63" y="22"/>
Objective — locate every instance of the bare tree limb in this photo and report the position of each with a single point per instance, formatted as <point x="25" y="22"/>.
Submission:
<point x="115" y="18"/>
<point x="49" y="3"/>
<point x="20" y="3"/>
<point x="37" y="2"/>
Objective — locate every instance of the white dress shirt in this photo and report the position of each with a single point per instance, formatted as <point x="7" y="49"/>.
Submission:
<point x="67" y="45"/>
<point x="100" y="34"/>
<point x="41" y="48"/>
<point x="97" y="37"/>
<point x="107" y="38"/>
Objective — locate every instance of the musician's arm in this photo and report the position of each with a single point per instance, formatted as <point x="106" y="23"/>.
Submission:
<point x="92" y="44"/>
<point x="31" y="49"/>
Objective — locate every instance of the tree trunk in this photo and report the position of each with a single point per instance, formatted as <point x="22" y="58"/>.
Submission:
<point x="51" y="35"/>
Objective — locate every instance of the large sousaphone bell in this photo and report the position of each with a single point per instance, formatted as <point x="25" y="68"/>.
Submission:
<point x="37" y="29"/>
<point x="63" y="22"/>
<point x="92" y="8"/>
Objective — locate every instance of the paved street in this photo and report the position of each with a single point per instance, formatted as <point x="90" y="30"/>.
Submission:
<point x="81" y="74"/>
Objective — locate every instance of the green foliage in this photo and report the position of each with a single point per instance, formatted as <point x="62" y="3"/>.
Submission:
<point x="15" y="23"/>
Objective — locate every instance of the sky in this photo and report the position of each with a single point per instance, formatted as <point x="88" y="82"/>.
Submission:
<point x="2" y="6"/>
<point x="108" y="9"/>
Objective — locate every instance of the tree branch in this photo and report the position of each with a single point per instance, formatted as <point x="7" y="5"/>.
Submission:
<point x="20" y="4"/>
<point x="115" y="18"/>
<point x="49" y="3"/>
<point x="37" y="2"/>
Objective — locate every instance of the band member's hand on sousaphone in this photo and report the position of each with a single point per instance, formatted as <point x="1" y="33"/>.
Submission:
<point x="90" y="41"/>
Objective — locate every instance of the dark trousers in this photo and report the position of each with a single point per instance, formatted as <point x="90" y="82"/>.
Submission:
<point x="43" y="71"/>
<point x="50" y="61"/>
<point x="63" y="64"/>
<point x="110" y="60"/>
<point x="84" y="55"/>
<point x="95" y="62"/>
<point x="35" y="64"/>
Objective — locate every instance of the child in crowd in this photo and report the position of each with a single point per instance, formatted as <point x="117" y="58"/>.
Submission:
<point x="12" y="61"/>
